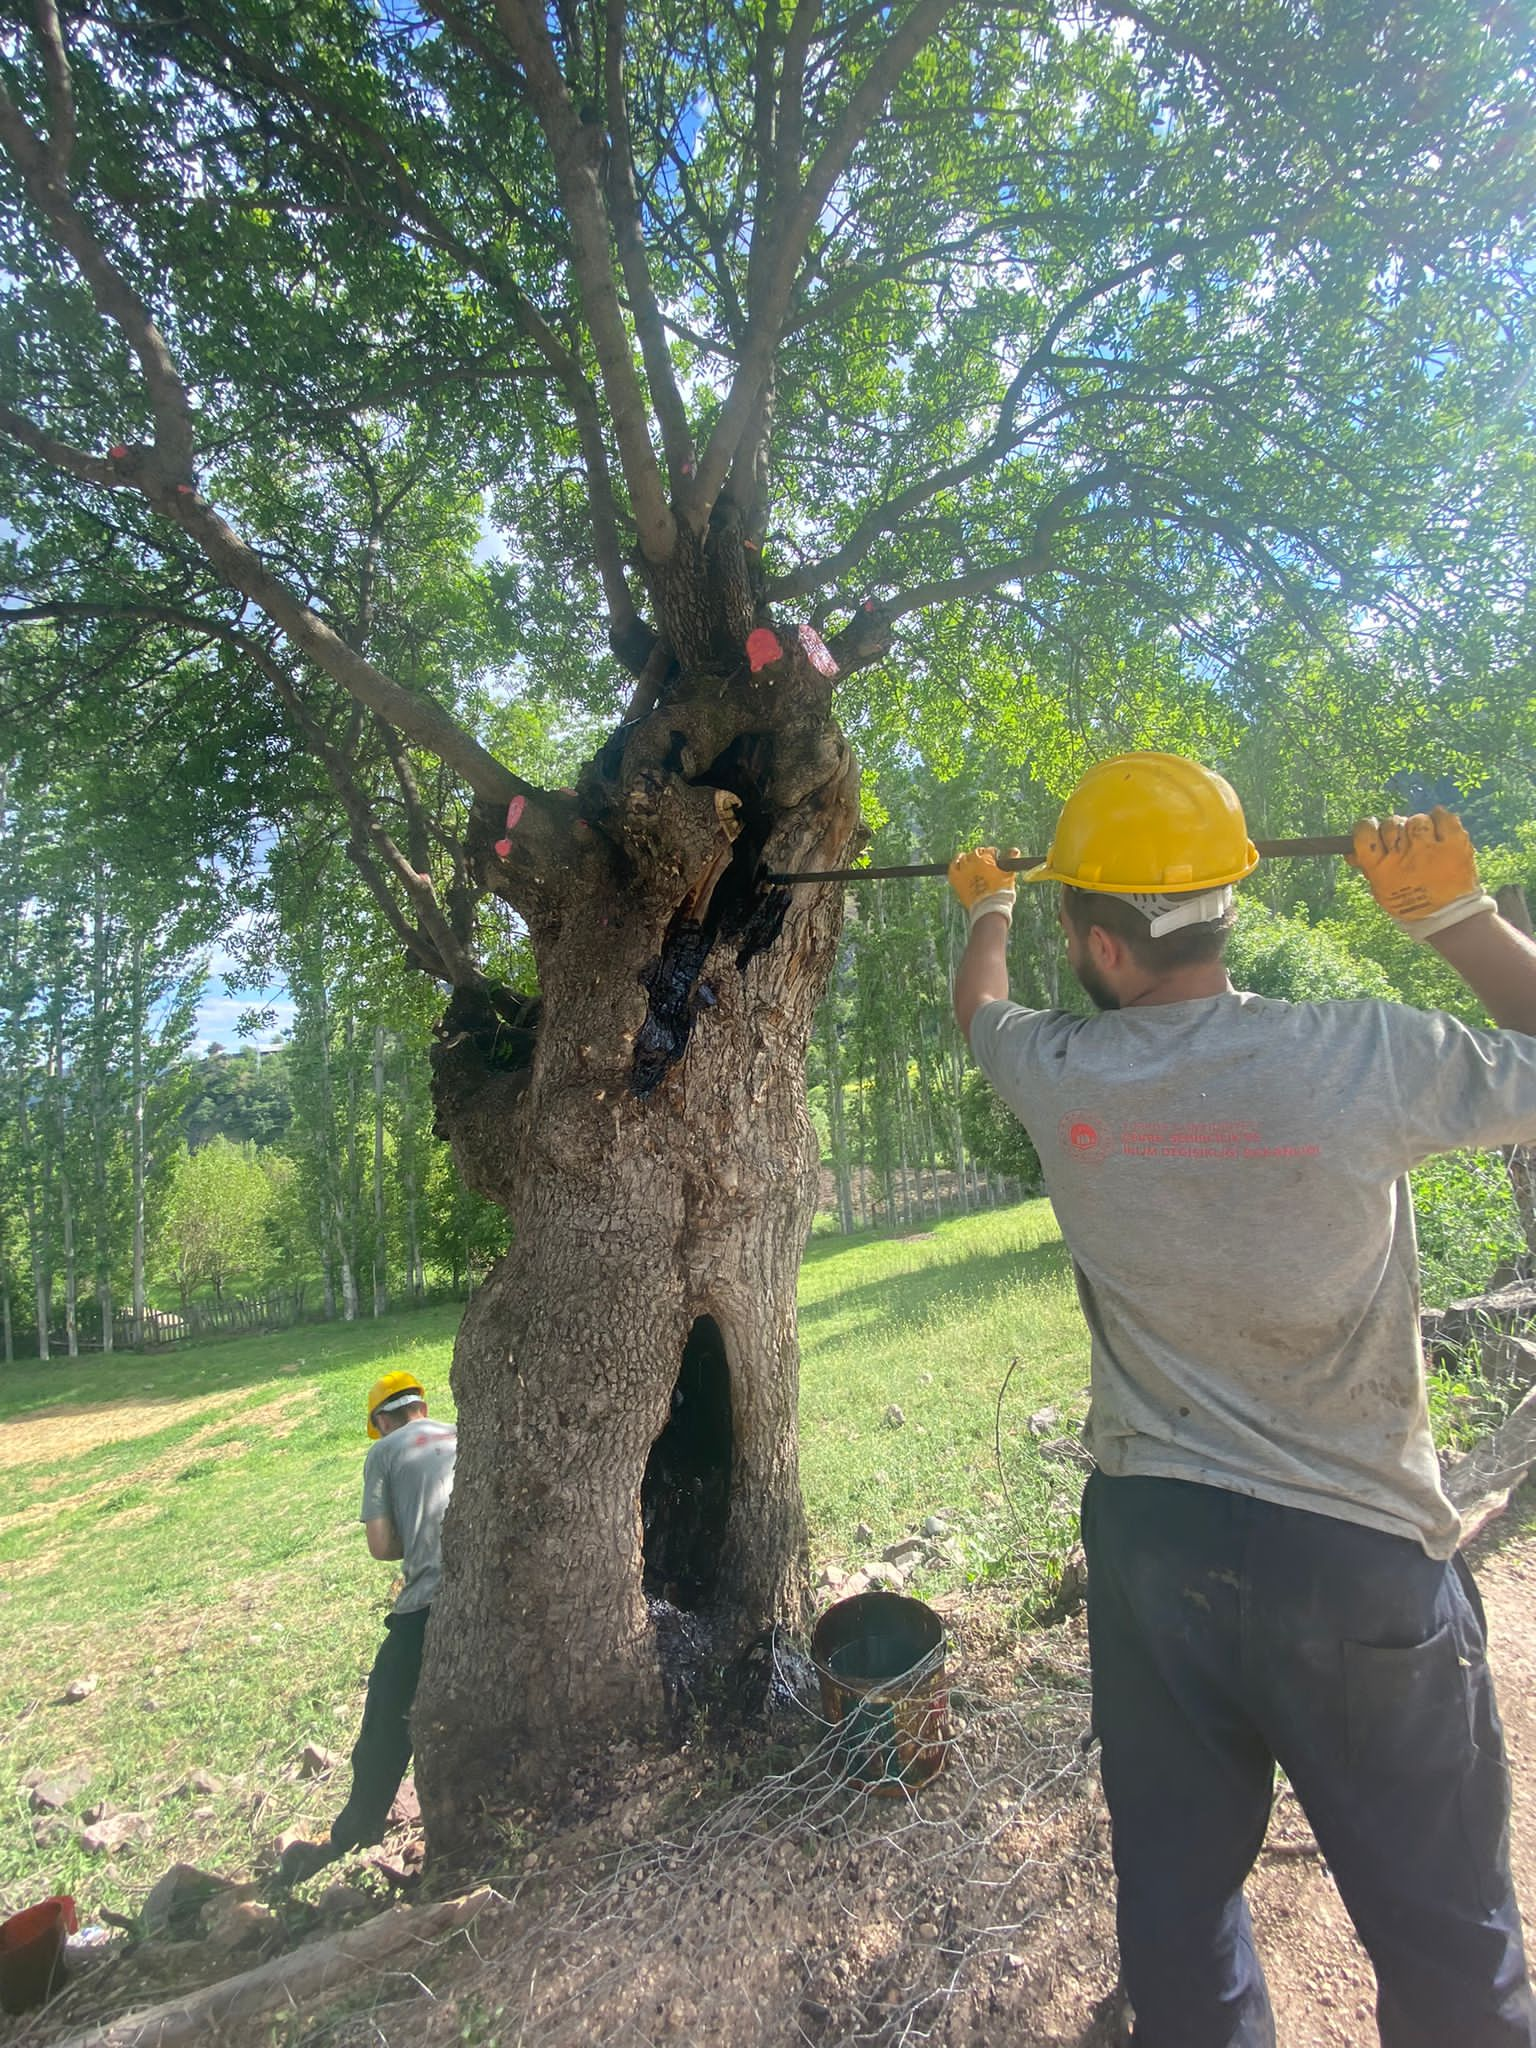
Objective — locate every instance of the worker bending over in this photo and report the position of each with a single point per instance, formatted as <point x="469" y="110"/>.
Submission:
<point x="407" y="1479"/>
<point x="1272" y="1565"/>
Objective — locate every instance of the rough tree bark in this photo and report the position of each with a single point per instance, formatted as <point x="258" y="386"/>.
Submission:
<point x="659" y="1205"/>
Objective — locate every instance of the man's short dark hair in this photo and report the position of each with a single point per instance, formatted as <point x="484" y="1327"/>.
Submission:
<point x="1192" y="945"/>
<point x="400" y="1411"/>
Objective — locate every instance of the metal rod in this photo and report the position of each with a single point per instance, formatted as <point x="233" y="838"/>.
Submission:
<point x="1269" y="849"/>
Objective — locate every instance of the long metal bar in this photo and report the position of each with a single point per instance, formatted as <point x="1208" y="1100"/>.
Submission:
<point x="1269" y="849"/>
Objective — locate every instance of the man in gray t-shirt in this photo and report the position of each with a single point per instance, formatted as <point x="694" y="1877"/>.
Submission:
<point x="407" y="1481"/>
<point x="1272" y="1568"/>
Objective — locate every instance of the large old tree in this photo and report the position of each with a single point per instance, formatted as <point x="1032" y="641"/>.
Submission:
<point x="773" y="341"/>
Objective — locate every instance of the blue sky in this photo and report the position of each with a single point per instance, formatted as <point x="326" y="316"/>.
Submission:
<point x="219" y="1013"/>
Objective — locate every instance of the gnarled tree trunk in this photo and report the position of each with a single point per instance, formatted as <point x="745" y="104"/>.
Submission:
<point x="627" y="1377"/>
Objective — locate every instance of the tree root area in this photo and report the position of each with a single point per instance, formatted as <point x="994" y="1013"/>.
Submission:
<point x="743" y="1893"/>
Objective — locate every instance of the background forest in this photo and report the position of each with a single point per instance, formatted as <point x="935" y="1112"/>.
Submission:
<point x="146" y="1178"/>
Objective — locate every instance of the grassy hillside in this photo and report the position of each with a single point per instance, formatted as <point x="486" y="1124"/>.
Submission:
<point x="183" y="1528"/>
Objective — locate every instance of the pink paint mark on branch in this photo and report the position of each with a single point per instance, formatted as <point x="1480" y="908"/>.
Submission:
<point x="514" y="812"/>
<point x="816" y="651"/>
<point x="762" y="648"/>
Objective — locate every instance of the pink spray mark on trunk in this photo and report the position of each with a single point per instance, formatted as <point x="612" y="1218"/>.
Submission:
<point x="514" y="812"/>
<point x="816" y="651"/>
<point x="762" y="647"/>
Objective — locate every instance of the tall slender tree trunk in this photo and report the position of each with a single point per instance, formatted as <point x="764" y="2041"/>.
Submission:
<point x="5" y="1320"/>
<point x="900" y="1089"/>
<point x="101" y="1222"/>
<point x="348" y="1272"/>
<point x="332" y="1173"/>
<point x="71" y="1300"/>
<point x="352" y="1170"/>
<point x="631" y="1363"/>
<point x="957" y="1132"/>
<point x="837" y="1119"/>
<point x="138" y="1135"/>
<point x="37" y="1221"/>
<point x="863" y="1087"/>
<point x="924" y="1115"/>
<point x="380" y="1295"/>
<point x="409" y="1169"/>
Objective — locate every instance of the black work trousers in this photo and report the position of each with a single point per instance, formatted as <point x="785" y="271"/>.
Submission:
<point x="383" y="1747"/>
<point x="1229" y="1634"/>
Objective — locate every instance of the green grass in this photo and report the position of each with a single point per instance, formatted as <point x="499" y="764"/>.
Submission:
<point x="931" y="1322"/>
<point x="183" y="1527"/>
<point x="208" y="1571"/>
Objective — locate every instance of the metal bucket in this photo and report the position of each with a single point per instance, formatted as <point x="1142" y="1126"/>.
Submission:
<point x="880" y="1660"/>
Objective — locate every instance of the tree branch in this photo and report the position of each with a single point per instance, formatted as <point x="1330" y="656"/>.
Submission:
<point x="624" y="211"/>
<point x="42" y="173"/>
<point x="797" y="43"/>
<point x="168" y="490"/>
<point x="434" y="938"/>
<point x="91" y="469"/>
<point x="1037" y="559"/>
<point x="61" y="91"/>
<point x="575" y="147"/>
<point x="790" y="238"/>
<point x="419" y="716"/>
<point x="884" y="518"/>
<point x="417" y="836"/>
<point x="417" y="213"/>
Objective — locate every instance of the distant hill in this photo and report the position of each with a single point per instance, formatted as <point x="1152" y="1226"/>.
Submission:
<point x="243" y="1096"/>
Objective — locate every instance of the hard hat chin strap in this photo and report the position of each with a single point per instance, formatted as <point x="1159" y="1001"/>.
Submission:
<point x="1173" y="913"/>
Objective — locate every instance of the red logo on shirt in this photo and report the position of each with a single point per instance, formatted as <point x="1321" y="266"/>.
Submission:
<point x="1079" y="1133"/>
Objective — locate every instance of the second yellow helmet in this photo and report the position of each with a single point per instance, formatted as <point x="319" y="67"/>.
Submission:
<point x="386" y="1389"/>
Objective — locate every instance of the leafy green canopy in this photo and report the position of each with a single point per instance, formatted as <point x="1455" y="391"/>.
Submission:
<point x="1173" y="367"/>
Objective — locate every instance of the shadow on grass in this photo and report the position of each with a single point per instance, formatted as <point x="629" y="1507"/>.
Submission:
<point x="905" y="1298"/>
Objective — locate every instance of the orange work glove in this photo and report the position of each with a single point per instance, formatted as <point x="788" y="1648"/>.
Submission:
<point x="982" y="885"/>
<point x="1422" y="870"/>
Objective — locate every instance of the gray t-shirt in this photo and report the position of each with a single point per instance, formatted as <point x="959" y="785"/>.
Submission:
<point x="1228" y="1174"/>
<point x="408" y="1475"/>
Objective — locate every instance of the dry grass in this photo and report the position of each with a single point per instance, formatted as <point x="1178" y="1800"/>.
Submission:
<point x="73" y="1429"/>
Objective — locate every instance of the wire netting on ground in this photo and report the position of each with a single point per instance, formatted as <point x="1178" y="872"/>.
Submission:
<point x="800" y="1910"/>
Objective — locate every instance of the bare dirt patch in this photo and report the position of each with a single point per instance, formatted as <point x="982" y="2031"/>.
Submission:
<point x="165" y="1466"/>
<point x="74" y="1428"/>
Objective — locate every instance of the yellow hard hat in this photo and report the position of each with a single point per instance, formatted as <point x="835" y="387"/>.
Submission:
<point x="386" y="1389"/>
<point x="1149" y="824"/>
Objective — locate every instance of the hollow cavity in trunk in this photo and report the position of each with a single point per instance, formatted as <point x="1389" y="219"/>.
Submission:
<point x="685" y="1497"/>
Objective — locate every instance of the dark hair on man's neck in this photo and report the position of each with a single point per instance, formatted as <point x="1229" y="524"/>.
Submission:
<point x="395" y="1416"/>
<point x="1193" y="945"/>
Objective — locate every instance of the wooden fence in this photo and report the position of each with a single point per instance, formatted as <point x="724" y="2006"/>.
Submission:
<point x="243" y="1315"/>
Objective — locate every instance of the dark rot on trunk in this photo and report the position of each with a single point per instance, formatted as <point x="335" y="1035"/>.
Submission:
<point x="627" y="1377"/>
